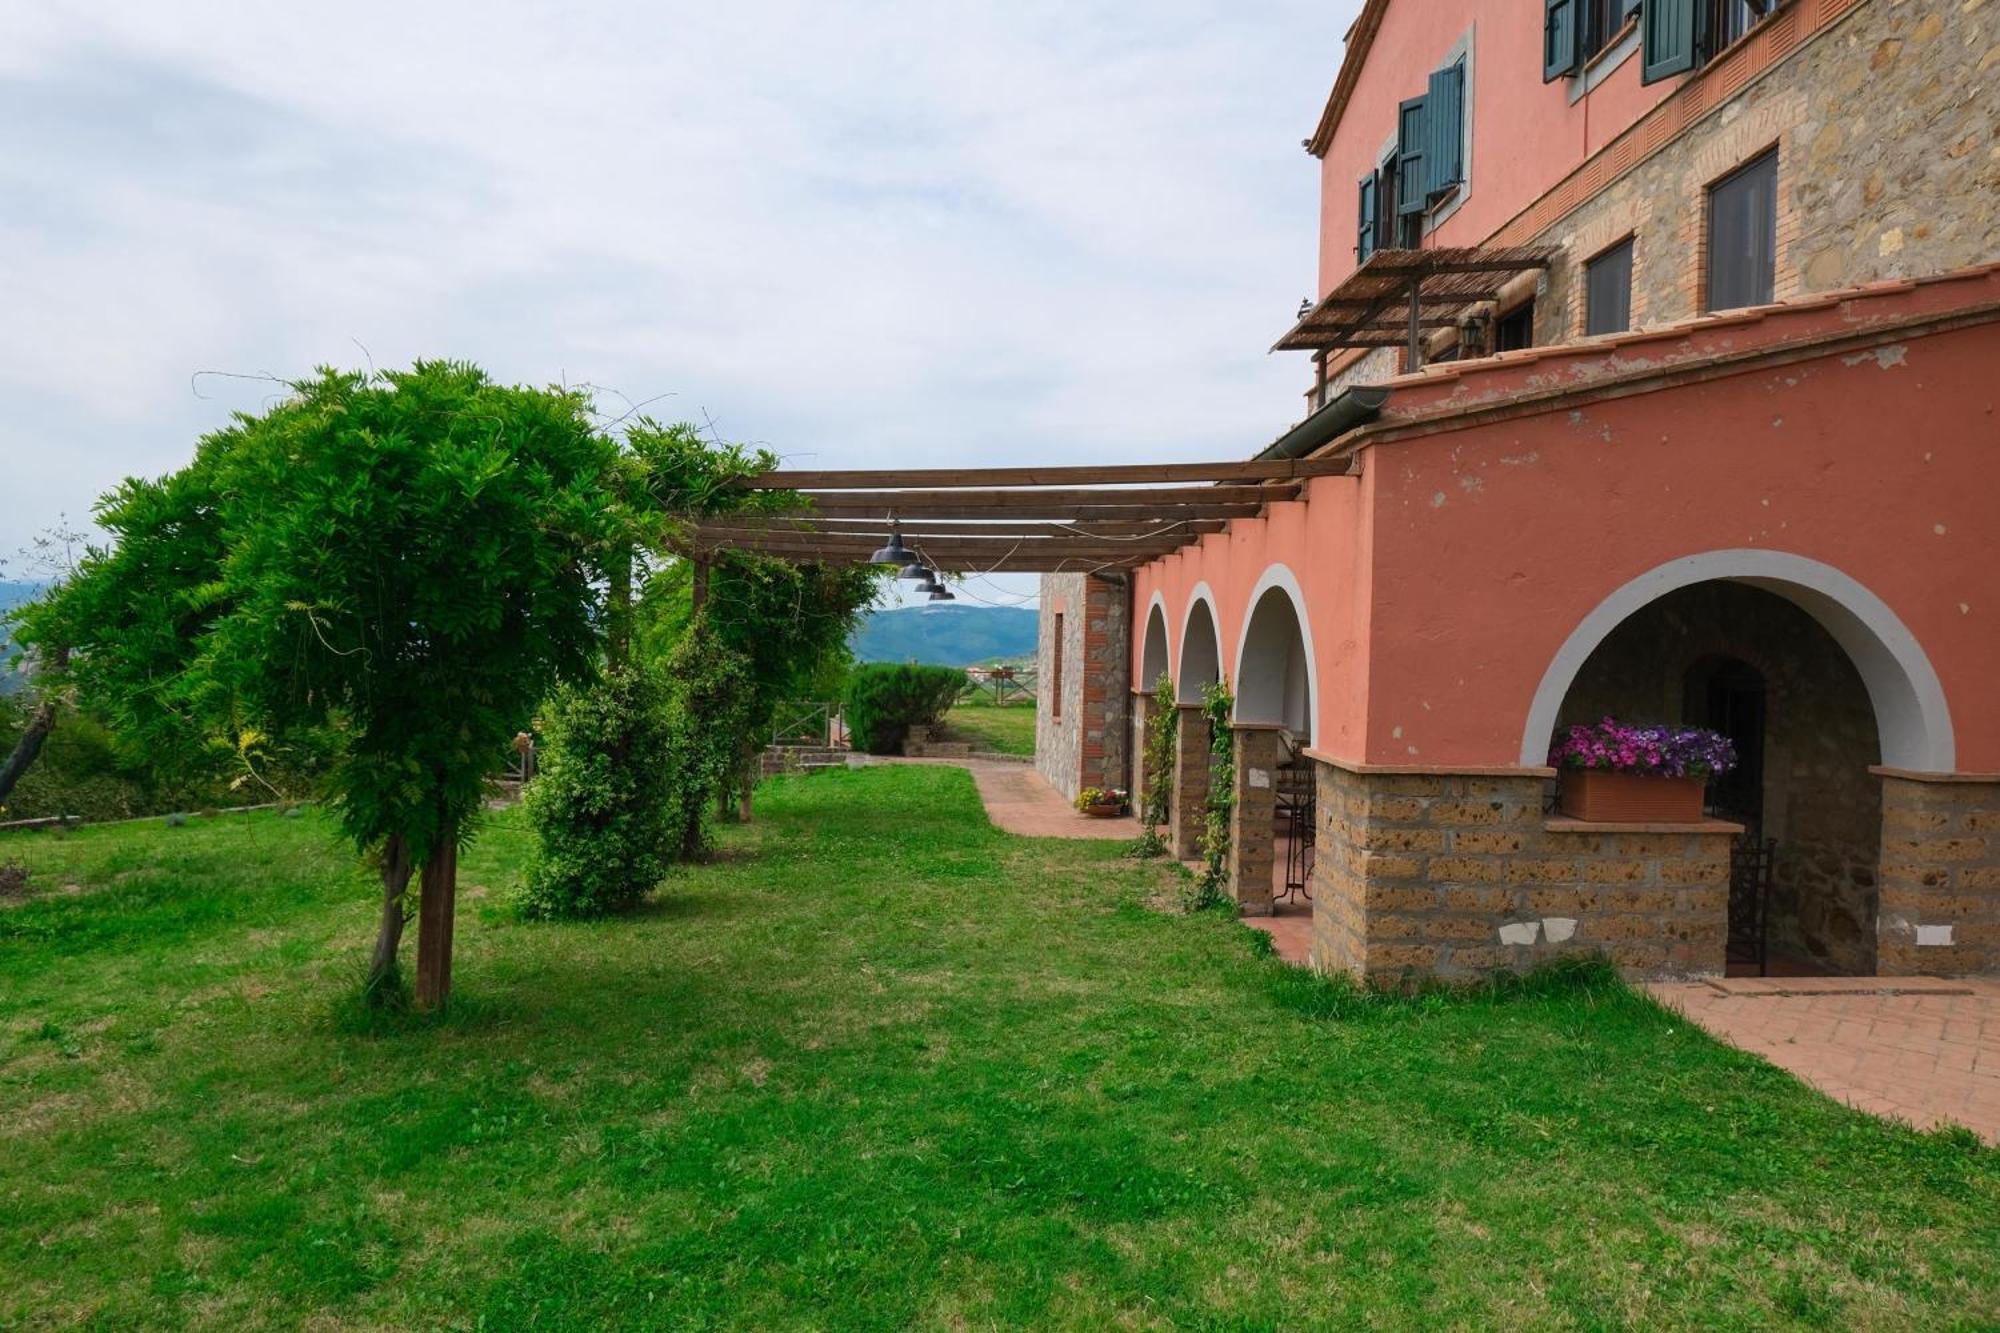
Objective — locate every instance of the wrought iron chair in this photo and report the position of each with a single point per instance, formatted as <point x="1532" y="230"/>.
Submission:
<point x="1297" y="798"/>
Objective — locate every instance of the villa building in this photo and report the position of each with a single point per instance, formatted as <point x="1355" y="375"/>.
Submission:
<point x="1653" y="374"/>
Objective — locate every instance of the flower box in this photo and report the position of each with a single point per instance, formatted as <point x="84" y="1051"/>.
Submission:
<point x="1616" y="772"/>
<point x="1104" y="810"/>
<point x="1102" y="802"/>
<point x="1604" y="797"/>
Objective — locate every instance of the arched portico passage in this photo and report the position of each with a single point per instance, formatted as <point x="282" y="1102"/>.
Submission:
<point x="1201" y="647"/>
<point x="1817" y="681"/>
<point x="1200" y="667"/>
<point x="1272" y="814"/>
<point x="1154" y="663"/>
<point x="1154" y="659"/>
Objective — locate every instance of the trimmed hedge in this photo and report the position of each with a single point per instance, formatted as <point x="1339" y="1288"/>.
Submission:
<point x="886" y="701"/>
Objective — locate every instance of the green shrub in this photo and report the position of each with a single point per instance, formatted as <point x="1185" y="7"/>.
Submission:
<point x="603" y="806"/>
<point x="886" y="701"/>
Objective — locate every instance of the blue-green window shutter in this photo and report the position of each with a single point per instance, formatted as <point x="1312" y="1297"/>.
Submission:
<point x="1444" y="119"/>
<point x="1666" y="34"/>
<point x="1410" y="178"/>
<point x="1559" y="38"/>
<point x="1364" y="245"/>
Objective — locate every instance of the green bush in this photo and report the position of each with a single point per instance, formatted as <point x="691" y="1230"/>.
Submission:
<point x="886" y="701"/>
<point x="603" y="807"/>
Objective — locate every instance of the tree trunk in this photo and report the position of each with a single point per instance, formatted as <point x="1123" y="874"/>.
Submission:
<point x="438" y="896"/>
<point x="389" y="936"/>
<point x="699" y="593"/>
<point x="618" y="620"/>
<point x="748" y="781"/>
<point x="28" y="748"/>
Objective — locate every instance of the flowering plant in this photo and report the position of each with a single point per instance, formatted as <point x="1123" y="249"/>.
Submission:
<point x="1090" y="796"/>
<point x="1661" y="752"/>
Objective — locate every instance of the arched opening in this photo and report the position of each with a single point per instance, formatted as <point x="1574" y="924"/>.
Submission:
<point x="1275" y="687"/>
<point x="1153" y="662"/>
<point x="1765" y="670"/>
<point x="1274" y="670"/>
<point x="1201" y="655"/>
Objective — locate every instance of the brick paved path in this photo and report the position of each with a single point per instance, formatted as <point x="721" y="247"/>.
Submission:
<point x="1913" y="1048"/>
<point x="1020" y="800"/>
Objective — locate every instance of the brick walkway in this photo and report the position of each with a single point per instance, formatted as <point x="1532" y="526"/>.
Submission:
<point x="1912" y="1048"/>
<point x="1019" y="800"/>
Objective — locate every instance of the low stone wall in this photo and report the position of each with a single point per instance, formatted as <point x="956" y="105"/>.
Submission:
<point x="1457" y="876"/>
<point x="1940" y="878"/>
<point x="776" y="759"/>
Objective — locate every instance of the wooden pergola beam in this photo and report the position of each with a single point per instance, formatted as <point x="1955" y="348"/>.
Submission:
<point x="1239" y="470"/>
<point x="1035" y="501"/>
<point x="876" y="527"/>
<point x="1159" y="513"/>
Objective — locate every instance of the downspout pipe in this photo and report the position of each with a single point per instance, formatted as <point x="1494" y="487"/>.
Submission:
<point x="1356" y="405"/>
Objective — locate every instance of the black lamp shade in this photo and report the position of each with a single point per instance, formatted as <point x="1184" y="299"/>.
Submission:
<point x="895" y="553"/>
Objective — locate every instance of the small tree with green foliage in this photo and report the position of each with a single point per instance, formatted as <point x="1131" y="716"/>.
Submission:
<point x="408" y="556"/>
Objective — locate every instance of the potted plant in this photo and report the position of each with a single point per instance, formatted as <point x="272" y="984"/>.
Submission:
<point x="1102" y="802"/>
<point x="1615" y="771"/>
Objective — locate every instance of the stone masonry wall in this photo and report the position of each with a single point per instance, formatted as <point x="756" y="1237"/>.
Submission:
<point x="1888" y="139"/>
<point x="1253" y="818"/>
<point x="1940" y="878"/>
<point x="1455" y="876"/>
<point x="1188" y="808"/>
<point x="1084" y="743"/>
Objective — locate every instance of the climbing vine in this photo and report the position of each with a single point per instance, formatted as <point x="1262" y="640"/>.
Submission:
<point x="1156" y="801"/>
<point x="1217" y="704"/>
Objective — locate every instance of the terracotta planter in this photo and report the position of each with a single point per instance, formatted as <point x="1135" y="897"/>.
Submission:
<point x="1630" y="798"/>
<point x="1111" y="811"/>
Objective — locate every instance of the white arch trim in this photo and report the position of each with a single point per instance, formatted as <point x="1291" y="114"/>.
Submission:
<point x="1910" y="711"/>
<point x="1202" y="595"/>
<point x="1282" y="578"/>
<point x="1156" y="607"/>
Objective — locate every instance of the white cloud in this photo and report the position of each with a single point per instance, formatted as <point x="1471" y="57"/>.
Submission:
<point x="863" y="234"/>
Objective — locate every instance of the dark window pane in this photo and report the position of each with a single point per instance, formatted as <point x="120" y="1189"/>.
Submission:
<point x="1607" y="299"/>
<point x="1515" y="330"/>
<point x="1743" y="236"/>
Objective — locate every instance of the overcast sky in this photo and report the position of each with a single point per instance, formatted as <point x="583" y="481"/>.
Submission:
<point x="866" y="234"/>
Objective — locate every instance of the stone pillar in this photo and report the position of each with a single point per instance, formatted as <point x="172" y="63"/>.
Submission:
<point x="1190" y="802"/>
<point x="1940" y="881"/>
<point x="1085" y="644"/>
<point x="1253" y="819"/>
<point x="1458" y="875"/>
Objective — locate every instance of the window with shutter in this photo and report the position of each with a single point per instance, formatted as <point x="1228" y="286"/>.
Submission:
<point x="1743" y="235"/>
<point x="1559" y="39"/>
<point x="1364" y="244"/>
<point x="1666" y="36"/>
<point x="1410" y="157"/>
<point x="1607" y="291"/>
<point x="1444" y="123"/>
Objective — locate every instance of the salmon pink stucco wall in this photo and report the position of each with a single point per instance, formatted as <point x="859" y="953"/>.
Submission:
<point x="1494" y="542"/>
<point x="1526" y="135"/>
<point x="1323" y="540"/>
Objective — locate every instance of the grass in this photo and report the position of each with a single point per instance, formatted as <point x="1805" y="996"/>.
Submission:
<point x="1004" y="728"/>
<point x="881" y="1066"/>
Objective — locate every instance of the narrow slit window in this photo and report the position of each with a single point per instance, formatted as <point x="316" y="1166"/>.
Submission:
<point x="1056" y="670"/>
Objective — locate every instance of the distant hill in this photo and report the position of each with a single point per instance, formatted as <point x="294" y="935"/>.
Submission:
<point x="947" y="635"/>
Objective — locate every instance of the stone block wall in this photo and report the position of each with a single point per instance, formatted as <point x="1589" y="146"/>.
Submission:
<point x="1456" y="876"/>
<point x="1885" y="125"/>
<point x="1253" y="818"/>
<point x="1084" y="742"/>
<point x="1940" y="878"/>
<point x="1189" y="805"/>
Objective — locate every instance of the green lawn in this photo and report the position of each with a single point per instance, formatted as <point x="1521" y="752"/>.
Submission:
<point x="1007" y="729"/>
<point x="882" y="1066"/>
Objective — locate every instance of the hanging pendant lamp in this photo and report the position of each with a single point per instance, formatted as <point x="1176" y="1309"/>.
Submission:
<point x="895" y="553"/>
